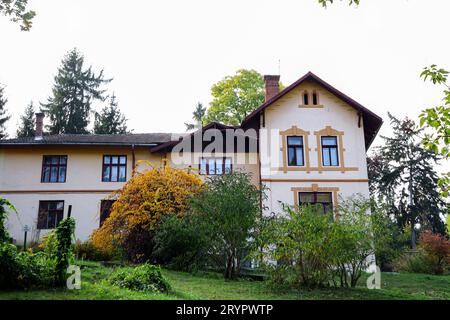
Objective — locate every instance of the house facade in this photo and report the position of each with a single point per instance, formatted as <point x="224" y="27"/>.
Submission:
<point x="306" y="144"/>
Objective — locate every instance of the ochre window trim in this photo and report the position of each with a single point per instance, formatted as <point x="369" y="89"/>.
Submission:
<point x="296" y="132"/>
<point x="315" y="188"/>
<point x="329" y="131"/>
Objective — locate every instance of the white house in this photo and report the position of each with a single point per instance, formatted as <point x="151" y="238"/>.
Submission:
<point x="306" y="143"/>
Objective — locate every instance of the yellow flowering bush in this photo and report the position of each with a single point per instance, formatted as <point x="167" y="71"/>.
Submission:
<point x="139" y="207"/>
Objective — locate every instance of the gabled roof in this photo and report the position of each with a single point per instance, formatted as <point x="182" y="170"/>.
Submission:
<point x="169" y="144"/>
<point x="371" y="121"/>
<point x="139" y="139"/>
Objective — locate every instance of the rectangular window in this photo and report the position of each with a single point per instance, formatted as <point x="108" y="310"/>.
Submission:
<point x="50" y="214"/>
<point x="54" y="169"/>
<point x="105" y="210"/>
<point x="330" y="152"/>
<point x="295" y="151"/>
<point x="322" y="199"/>
<point x="215" y="166"/>
<point x="114" y="168"/>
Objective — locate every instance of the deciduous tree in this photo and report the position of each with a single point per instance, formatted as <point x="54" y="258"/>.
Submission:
<point x="234" y="97"/>
<point x="139" y="207"/>
<point x="436" y="121"/>
<point x="326" y="2"/>
<point x="18" y="12"/>
<point x="230" y="205"/>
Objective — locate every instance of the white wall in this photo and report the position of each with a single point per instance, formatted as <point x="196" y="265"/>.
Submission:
<point x="285" y="113"/>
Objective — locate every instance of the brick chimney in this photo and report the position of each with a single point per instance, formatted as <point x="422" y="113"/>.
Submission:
<point x="272" y="86"/>
<point x="38" y="133"/>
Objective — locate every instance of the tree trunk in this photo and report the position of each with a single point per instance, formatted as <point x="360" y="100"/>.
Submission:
<point x="413" y="236"/>
<point x="411" y="204"/>
<point x="230" y="265"/>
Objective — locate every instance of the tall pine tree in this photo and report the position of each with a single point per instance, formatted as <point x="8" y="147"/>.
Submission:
<point x="402" y="175"/>
<point x="27" y="122"/>
<point x="3" y="114"/>
<point x="74" y="90"/>
<point x="110" y="120"/>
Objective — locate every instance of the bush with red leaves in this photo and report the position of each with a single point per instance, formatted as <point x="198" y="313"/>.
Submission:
<point x="437" y="248"/>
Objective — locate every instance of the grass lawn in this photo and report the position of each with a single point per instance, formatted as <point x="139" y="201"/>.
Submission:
<point x="212" y="286"/>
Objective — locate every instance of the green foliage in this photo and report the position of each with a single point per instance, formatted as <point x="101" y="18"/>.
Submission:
<point x="437" y="249"/>
<point x="87" y="251"/>
<point x="49" y="244"/>
<point x="325" y="3"/>
<point x="110" y="120"/>
<point x="74" y="90"/>
<point x="448" y="224"/>
<point x="4" y="206"/>
<point x="437" y="121"/>
<point x="64" y="250"/>
<point x="27" y="122"/>
<point x="295" y="246"/>
<point x="183" y="243"/>
<point x="145" y="277"/>
<point x="234" y="97"/>
<point x="24" y="270"/>
<point x="413" y="262"/>
<point x="432" y="256"/>
<point x="313" y="250"/>
<point x="3" y="114"/>
<point x="389" y="240"/>
<point x="198" y="116"/>
<point x="230" y="205"/>
<point x="402" y="174"/>
<point x="17" y="10"/>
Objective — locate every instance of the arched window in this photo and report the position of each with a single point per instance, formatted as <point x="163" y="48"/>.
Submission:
<point x="305" y="98"/>
<point x="315" y="98"/>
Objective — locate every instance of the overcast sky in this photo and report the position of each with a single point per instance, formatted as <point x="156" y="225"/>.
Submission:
<point x="165" y="55"/>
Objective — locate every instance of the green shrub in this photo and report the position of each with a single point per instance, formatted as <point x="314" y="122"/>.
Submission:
<point x="87" y="251"/>
<point x="432" y="256"/>
<point x="49" y="244"/>
<point x="182" y="243"/>
<point x="4" y="205"/>
<point x="305" y="247"/>
<point x="230" y="206"/>
<point x="23" y="270"/>
<point x="295" y="247"/>
<point x="437" y="248"/>
<point x="413" y="262"/>
<point x="145" y="277"/>
<point x="64" y="249"/>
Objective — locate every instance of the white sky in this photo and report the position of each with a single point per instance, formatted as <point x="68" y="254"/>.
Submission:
<point x="165" y="55"/>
